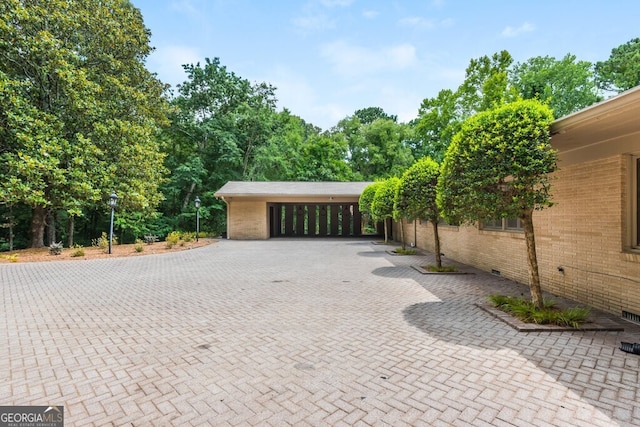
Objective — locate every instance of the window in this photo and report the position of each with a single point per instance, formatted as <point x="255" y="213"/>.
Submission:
<point x="502" y="224"/>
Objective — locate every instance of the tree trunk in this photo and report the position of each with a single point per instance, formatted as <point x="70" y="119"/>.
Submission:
<point x="436" y="241"/>
<point x="385" y="231"/>
<point x="11" y="224"/>
<point x="38" y="221"/>
<point x="51" y="226"/>
<point x="187" y="198"/>
<point x="404" y="243"/>
<point x="70" y="227"/>
<point x="534" y="277"/>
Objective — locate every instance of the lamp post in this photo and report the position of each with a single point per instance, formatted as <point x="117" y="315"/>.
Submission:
<point x="197" y="203"/>
<point x="113" y="201"/>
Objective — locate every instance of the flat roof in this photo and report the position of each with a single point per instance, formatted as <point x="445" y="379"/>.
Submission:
<point x="291" y="188"/>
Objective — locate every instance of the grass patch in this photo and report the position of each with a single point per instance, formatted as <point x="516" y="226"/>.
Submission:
<point x="401" y="251"/>
<point x="549" y="314"/>
<point x="443" y="269"/>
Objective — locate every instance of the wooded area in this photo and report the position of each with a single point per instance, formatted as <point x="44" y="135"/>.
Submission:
<point x="81" y="117"/>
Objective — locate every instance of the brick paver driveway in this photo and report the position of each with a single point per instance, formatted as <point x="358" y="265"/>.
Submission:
<point x="293" y="332"/>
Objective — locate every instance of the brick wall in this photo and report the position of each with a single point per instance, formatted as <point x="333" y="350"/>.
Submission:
<point x="247" y="220"/>
<point x="582" y="233"/>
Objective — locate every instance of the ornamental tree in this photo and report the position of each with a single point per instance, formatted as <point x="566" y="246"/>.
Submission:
<point x="499" y="165"/>
<point x="382" y="203"/>
<point x="416" y="197"/>
<point x="366" y="198"/>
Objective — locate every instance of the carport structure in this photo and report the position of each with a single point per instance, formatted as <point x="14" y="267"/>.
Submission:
<point x="260" y="210"/>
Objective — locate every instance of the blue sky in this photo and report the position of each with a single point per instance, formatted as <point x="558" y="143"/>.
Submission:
<point x="328" y="58"/>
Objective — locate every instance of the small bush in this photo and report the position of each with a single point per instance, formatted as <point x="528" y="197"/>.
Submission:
<point x="172" y="239"/>
<point x="102" y="242"/>
<point x="188" y="236"/>
<point x="150" y="239"/>
<point x="139" y="245"/>
<point x="547" y="315"/>
<point x="78" y="251"/>
<point x="55" y="248"/>
<point x="401" y="251"/>
<point x="11" y="258"/>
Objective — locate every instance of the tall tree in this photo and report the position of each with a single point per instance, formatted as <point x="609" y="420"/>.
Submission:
<point x="498" y="165"/>
<point x="73" y="70"/>
<point x="622" y="70"/>
<point x="567" y="85"/>
<point x="485" y="84"/>
<point x="438" y="120"/>
<point x="371" y="114"/>
<point x="219" y="124"/>
<point x="380" y="149"/>
<point x="416" y="197"/>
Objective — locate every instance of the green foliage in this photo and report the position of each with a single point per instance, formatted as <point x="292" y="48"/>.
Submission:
<point x="485" y="84"/>
<point x="79" y="111"/>
<point x="371" y="114"/>
<point x="366" y="197"/>
<point x="376" y="150"/>
<point x="547" y="314"/>
<point x="172" y="239"/>
<point x="404" y="251"/>
<point x="383" y="202"/>
<point x="566" y="85"/>
<point x="442" y="268"/>
<point x="188" y="236"/>
<point x="138" y="245"/>
<point x="416" y="192"/>
<point x="439" y="120"/>
<point x="384" y="198"/>
<point x="78" y="251"/>
<point x="102" y="242"/>
<point x="498" y="165"/>
<point x="621" y="71"/>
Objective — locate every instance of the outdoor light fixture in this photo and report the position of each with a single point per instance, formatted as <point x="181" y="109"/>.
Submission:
<point x="197" y="203"/>
<point x="113" y="201"/>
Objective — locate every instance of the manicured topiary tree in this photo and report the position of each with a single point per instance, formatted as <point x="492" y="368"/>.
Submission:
<point x="366" y="197"/>
<point x="498" y="165"/>
<point x="416" y="197"/>
<point x="382" y="204"/>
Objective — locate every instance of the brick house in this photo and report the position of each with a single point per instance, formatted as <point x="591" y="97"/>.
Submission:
<point x="588" y="243"/>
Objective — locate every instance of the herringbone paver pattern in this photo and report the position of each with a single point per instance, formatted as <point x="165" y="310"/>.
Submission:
<point x="294" y="332"/>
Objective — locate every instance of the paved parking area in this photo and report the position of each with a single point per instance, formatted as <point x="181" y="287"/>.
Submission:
<point x="294" y="332"/>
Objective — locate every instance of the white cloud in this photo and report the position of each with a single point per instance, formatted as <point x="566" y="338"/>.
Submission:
<point x="514" y="32"/>
<point x="313" y="22"/>
<point x="167" y="61"/>
<point x="352" y="60"/>
<point x="370" y="14"/>
<point x="417" y="22"/>
<point x="421" y="23"/>
<point x="336" y="3"/>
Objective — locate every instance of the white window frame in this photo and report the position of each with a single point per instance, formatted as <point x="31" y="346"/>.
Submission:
<point x="504" y="226"/>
